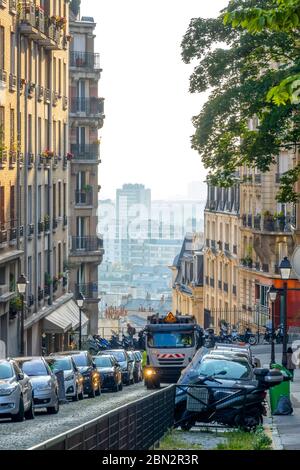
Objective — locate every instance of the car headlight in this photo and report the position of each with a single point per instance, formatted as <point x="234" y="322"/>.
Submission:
<point x="69" y="377"/>
<point x="8" y="390"/>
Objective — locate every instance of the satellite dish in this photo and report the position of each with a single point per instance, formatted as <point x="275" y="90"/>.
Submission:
<point x="296" y="261"/>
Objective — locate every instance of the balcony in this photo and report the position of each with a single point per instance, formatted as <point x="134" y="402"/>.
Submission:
<point x="279" y="224"/>
<point x="85" y="60"/>
<point x="3" y="76"/>
<point x="3" y="235"/>
<point x="13" y="6"/>
<point x="90" y="291"/>
<point x="12" y="82"/>
<point x="86" y="244"/>
<point x="257" y="222"/>
<point x="33" y="25"/>
<point x="3" y="158"/>
<point x="89" y="152"/>
<point x="90" y="107"/>
<point x="249" y="220"/>
<point x="84" y="197"/>
<point x="211" y="205"/>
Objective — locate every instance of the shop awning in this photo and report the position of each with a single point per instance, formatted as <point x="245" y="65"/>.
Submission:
<point x="64" y="319"/>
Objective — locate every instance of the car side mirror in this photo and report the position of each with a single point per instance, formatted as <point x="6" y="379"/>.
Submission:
<point x="20" y="376"/>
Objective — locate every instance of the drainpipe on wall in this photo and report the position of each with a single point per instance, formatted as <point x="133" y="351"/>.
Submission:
<point x="25" y="191"/>
<point x="18" y="195"/>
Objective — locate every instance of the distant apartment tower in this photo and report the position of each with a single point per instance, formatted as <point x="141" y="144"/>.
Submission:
<point x="133" y="211"/>
<point x="34" y="44"/>
<point x="86" y="118"/>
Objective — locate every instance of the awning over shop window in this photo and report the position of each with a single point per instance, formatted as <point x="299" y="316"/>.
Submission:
<point x="64" y="319"/>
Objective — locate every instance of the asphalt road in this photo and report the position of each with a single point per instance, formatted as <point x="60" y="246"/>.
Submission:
<point x="18" y="436"/>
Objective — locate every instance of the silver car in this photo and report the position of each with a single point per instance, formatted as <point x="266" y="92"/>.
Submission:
<point x="73" y="378"/>
<point x="44" y="383"/>
<point x="16" y="398"/>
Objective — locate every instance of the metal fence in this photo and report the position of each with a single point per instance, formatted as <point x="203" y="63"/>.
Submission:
<point x="136" y="426"/>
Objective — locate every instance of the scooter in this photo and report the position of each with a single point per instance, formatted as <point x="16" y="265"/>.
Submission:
<point x="248" y="337"/>
<point x="210" y="401"/>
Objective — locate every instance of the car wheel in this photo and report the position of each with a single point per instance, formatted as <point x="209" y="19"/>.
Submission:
<point x="29" y="414"/>
<point x="20" y="415"/>
<point x="53" y="410"/>
<point x="76" y="396"/>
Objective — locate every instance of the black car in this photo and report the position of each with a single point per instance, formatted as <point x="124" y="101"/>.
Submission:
<point x="86" y="366"/>
<point x="126" y="364"/>
<point x="138" y="369"/>
<point x="110" y="372"/>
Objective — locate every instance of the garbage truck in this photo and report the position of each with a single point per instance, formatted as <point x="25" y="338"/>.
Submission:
<point x="171" y="342"/>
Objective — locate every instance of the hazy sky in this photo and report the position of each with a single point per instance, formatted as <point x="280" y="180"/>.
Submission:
<point x="146" y="135"/>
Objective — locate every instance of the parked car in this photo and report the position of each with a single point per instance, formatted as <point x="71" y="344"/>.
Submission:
<point x="16" y="395"/>
<point x="110" y="372"/>
<point x="236" y="349"/>
<point x="73" y="379"/>
<point x="86" y="366"/>
<point x="44" y="383"/>
<point x="138" y="369"/>
<point x="127" y="364"/>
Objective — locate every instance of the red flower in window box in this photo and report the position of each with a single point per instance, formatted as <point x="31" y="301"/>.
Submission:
<point x="70" y="156"/>
<point x="48" y="153"/>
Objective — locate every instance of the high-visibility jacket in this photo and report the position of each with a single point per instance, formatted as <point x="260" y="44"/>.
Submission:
<point x="144" y="359"/>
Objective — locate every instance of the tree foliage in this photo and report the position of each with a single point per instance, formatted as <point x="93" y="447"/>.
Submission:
<point x="239" y="68"/>
<point x="282" y="15"/>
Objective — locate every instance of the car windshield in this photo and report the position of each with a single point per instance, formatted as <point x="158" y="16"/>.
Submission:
<point x="225" y="369"/>
<point x="34" y="368"/>
<point x="171" y="339"/>
<point x="81" y="360"/>
<point x="6" y="371"/>
<point x="64" y="363"/>
<point x="102" y="361"/>
<point x="119" y="355"/>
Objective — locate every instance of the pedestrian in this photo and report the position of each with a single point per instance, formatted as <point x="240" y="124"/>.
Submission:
<point x="290" y="363"/>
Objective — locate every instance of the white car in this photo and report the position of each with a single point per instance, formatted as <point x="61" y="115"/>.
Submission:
<point x="16" y="398"/>
<point x="72" y="376"/>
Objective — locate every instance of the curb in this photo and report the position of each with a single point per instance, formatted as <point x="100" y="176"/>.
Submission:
<point x="277" y="444"/>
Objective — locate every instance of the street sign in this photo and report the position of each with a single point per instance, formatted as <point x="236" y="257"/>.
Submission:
<point x="170" y="318"/>
<point x="295" y="261"/>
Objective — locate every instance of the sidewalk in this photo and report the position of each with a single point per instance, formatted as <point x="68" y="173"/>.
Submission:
<point x="289" y="426"/>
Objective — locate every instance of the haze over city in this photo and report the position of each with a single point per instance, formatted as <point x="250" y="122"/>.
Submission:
<point x="146" y="137"/>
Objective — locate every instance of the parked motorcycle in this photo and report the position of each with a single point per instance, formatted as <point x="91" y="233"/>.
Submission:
<point x="236" y="404"/>
<point x="268" y="335"/>
<point x="248" y="337"/>
<point x="209" y="338"/>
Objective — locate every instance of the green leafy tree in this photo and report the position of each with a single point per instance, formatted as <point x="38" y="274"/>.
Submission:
<point x="284" y="16"/>
<point x="239" y="68"/>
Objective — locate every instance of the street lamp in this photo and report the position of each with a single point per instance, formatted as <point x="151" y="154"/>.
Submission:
<point x="285" y="268"/>
<point x="272" y="296"/>
<point x="21" y="285"/>
<point x="80" y="301"/>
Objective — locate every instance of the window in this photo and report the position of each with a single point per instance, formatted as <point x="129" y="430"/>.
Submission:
<point x="2" y="208"/>
<point x="54" y="73"/>
<point x="59" y="138"/>
<point x="59" y="77"/>
<point x="2" y="125"/>
<point x="54" y="137"/>
<point x="39" y="137"/>
<point x="65" y="199"/>
<point x="12" y="129"/>
<point x="2" y="48"/>
<point x="65" y="79"/>
<point x="12" y="206"/>
<point x="30" y="204"/>
<point x="46" y="135"/>
<point x="13" y="53"/>
<point x="39" y="208"/>
<point x="54" y="201"/>
<point x="60" y="267"/>
<point x="30" y="139"/>
<point x="40" y="269"/>
<point x="65" y="140"/>
<point x="59" y="199"/>
<point x="29" y="275"/>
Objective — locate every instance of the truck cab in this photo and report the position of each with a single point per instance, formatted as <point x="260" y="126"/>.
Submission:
<point x="171" y="343"/>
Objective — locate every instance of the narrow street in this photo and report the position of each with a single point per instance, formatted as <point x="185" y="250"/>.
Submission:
<point x="27" y="434"/>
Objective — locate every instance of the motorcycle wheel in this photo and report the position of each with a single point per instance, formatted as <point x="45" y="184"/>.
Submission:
<point x="187" y="426"/>
<point x="249" y="423"/>
<point x="252" y="340"/>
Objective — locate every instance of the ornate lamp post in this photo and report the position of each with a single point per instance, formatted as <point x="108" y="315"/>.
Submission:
<point x="80" y="302"/>
<point x="21" y="285"/>
<point x="285" y="268"/>
<point x="273" y="296"/>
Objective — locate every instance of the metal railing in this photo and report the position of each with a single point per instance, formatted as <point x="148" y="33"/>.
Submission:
<point x="89" y="106"/>
<point x="136" y="426"/>
<point x="85" y="60"/>
<point x="87" y="243"/>
<point x="85" y="152"/>
<point x="90" y="290"/>
<point x="83" y="198"/>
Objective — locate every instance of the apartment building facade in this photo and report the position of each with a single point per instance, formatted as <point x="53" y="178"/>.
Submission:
<point x="221" y="255"/>
<point x="251" y="239"/>
<point x="187" y="273"/>
<point x="36" y="48"/>
<point x="86" y="118"/>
